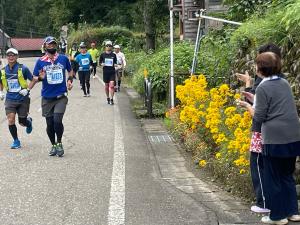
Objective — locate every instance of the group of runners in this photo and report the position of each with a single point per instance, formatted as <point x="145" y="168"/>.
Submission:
<point x="56" y="72"/>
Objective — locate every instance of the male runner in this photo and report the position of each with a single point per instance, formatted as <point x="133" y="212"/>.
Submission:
<point x="14" y="78"/>
<point x="95" y="55"/>
<point x="85" y="61"/>
<point x="51" y="70"/>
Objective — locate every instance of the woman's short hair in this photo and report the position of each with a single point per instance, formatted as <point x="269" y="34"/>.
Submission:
<point x="268" y="64"/>
<point x="270" y="47"/>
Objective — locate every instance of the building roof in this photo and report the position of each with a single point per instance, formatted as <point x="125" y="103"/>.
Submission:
<point x="27" y="44"/>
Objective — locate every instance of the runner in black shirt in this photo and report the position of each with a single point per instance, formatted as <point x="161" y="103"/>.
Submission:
<point x="108" y="60"/>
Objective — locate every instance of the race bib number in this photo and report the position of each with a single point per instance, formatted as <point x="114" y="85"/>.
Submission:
<point x="85" y="61"/>
<point x="109" y="62"/>
<point x="55" y="76"/>
<point x="13" y="85"/>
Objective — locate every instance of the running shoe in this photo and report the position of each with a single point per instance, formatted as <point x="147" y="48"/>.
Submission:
<point x="29" y="128"/>
<point x="85" y="95"/>
<point x="60" y="150"/>
<point x="258" y="209"/>
<point x="53" y="150"/>
<point x="16" y="144"/>
<point x="267" y="220"/>
<point x="108" y="100"/>
<point x="111" y="101"/>
<point x="88" y="95"/>
<point x="294" y="218"/>
<point x="94" y="76"/>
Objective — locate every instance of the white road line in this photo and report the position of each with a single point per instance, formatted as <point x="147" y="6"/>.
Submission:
<point x="116" y="211"/>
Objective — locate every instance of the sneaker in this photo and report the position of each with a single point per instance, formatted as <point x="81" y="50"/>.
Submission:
<point x="84" y="95"/>
<point x="267" y="220"/>
<point x="29" y="128"/>
<point x="53" y="150"/>
<point x="294" y="218"/>
<point x="257" y="209"/>
<point x="16" y="144"/>
<point x="88" y="95"/>
<point x="108" y="100"/>
<point x="111" y="101"/>
<point x="94" y="77"/>
<point x="60" y="150"/>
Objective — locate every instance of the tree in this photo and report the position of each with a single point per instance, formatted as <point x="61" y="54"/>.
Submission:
<point x="149" y="24"/>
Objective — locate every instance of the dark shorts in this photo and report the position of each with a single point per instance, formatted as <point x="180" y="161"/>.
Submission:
<point x="95" y="64"/>
<point x="20" y="108"/>
<point x="109" y="76"/>
<point x="51" y="106"/>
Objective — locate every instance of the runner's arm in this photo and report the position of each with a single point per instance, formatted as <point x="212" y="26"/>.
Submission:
<point x="28" y="76"/>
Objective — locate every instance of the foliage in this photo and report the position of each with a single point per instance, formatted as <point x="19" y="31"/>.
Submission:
<point x="240" y="10"/>
<point x="279" y="25"/>
<point x="41" y="18"/>
<point x="158" y="66"/>
<point x="215" y="56"/>
<point x="118" y="35"/>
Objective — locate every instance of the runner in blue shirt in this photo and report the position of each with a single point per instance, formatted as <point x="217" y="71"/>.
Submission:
<point x="14" y="78"/>
<point x="84" y="59"/>
<point x="51" y="70"/>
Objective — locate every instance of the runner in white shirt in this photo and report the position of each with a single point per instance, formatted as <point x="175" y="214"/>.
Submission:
<point x="121" y="61"/>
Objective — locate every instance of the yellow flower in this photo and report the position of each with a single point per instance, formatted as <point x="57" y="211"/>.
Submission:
<point x="237" y="96"/>
<point x="242" y="171"/>
<point x="218" y="155"/>
<point x="202" y="163"/>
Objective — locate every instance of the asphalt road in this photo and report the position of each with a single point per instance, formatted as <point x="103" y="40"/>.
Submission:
<point x="108" y="175"/>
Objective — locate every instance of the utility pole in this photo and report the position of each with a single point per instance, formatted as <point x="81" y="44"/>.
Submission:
<point x="172" y="88"/>
<point x="2" y="28"/>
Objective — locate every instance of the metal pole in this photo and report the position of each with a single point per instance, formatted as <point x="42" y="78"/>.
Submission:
<point x="2" y="28"/>
<point x="216" y="19"/>
<point x="172" y="94"/>
<point x="196" y="48"/>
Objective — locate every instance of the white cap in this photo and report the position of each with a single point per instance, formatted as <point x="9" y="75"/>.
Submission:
<point x="117" y="46"/>
<point x="108" y="43"/>
<point x="82" y="45"/>
<point x="12" y="50"/>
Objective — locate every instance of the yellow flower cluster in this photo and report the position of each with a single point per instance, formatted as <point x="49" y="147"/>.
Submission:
<point x="202" y="163"/>
<point x="214" y="111"/>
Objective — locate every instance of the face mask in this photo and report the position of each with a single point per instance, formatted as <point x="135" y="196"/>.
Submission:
<point x="51" y="50"/>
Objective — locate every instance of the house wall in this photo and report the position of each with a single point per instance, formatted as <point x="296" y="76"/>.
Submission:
<point x="190" y="26"/>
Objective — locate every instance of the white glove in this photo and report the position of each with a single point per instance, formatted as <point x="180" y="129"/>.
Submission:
<point x="24" y="92"/>
<point x="2" y="95"/>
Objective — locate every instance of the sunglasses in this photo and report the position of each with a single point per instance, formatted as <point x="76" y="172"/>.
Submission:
<point x="11" y="55"/>
<point x="108" y="45"/>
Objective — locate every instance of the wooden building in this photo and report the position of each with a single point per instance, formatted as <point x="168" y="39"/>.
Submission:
<point x="188" y="24"/>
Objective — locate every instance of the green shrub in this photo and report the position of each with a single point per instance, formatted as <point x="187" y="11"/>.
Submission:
<point x="116" y="34"/>
<point x="158" y="66"/>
